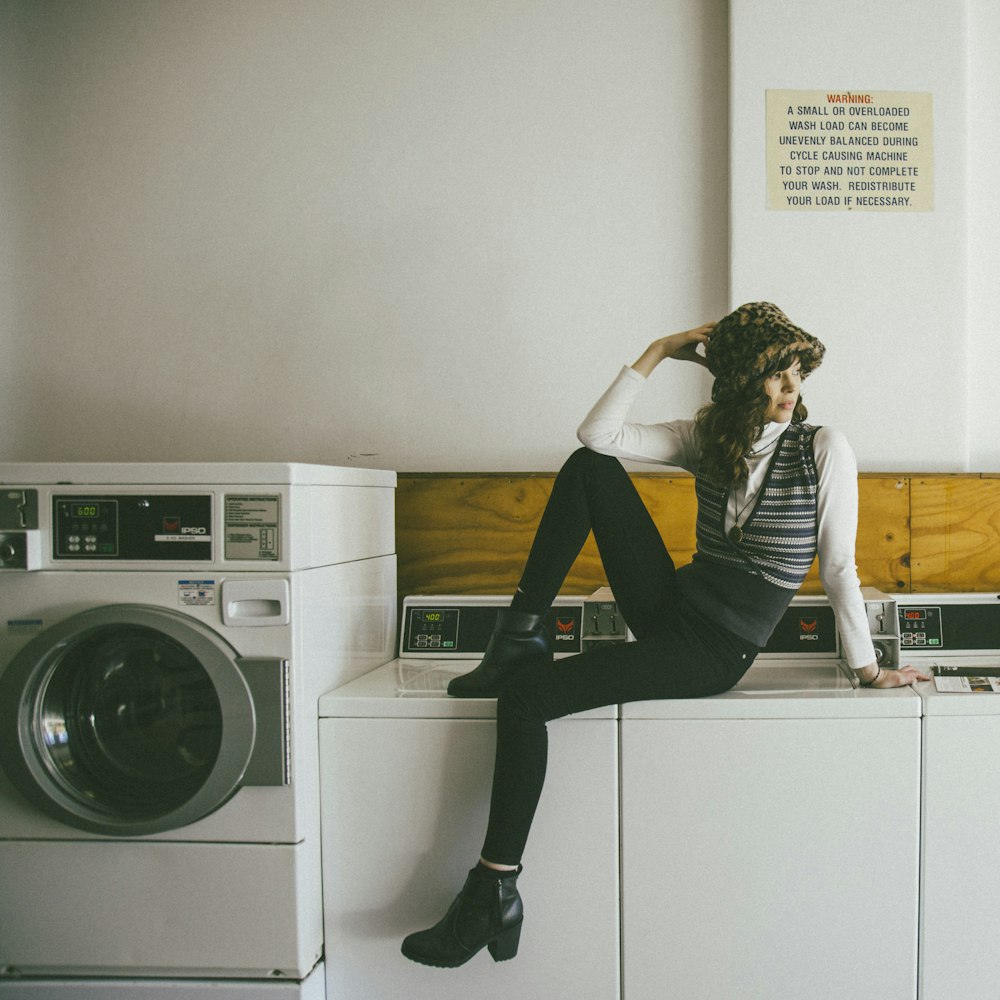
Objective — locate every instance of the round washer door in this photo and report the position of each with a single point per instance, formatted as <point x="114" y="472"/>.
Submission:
<point x="126" y="720"/>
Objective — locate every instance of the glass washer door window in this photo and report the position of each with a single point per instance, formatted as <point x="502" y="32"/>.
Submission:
<point x="126" y="720"/>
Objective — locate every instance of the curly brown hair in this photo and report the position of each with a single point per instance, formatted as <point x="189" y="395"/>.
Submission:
<point x="728" y="427"/>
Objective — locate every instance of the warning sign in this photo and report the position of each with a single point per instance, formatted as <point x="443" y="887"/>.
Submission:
<point x="833" y="150"/>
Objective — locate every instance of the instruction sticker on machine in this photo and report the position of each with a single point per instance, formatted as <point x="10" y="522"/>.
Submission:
<point x="195" y="593"/>
<point x="253" y="527"/>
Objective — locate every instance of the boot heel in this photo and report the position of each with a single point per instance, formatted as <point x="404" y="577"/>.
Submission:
<point x="487" y="913"/>
<point x="504" y="946"/>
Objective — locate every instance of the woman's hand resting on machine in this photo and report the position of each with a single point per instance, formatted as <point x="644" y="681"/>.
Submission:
<point x="874" y="676"/>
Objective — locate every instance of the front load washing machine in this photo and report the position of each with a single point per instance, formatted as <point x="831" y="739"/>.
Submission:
<point x="166" y="632"/>
<point x="956" y="637"/>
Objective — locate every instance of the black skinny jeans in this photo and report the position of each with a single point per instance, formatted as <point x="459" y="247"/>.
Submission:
<point x="678" y="653"/>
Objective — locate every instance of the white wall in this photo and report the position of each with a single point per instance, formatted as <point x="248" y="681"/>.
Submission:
<point x="886" y="291"/>
<point x="984" y="236"/>
<point x="425" y="235"/>
<point x="414" y="235"/>
<point x="12" y="188"/>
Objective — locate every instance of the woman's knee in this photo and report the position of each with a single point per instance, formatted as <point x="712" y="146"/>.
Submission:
<point x="584" y="461"/>
<point x="515" y="697"/>
<point x="586" y="456"/>
<point x="525" y="696"/>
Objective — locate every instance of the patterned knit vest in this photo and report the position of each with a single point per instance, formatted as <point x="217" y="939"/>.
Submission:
<point x="779" y="536"/>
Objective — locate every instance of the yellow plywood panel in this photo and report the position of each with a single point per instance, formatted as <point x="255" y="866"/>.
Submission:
<point x="465" y="535"/>
<point x="471" y="534"/>
<point x="673" y="506"/>
<point x="883" y="542"/>
<point x="955" y="534"/>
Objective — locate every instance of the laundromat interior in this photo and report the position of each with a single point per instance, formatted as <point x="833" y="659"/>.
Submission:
<point x="414" y="242"/>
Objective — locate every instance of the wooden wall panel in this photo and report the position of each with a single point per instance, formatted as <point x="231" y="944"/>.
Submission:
<point x="883" y="542"/>
<point x="956" y="534"/>
<point x="465" y="534"/>
<point x="471" y="534"/>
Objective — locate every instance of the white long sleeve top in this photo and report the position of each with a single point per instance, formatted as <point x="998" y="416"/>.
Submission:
<point x="607" y="430"/>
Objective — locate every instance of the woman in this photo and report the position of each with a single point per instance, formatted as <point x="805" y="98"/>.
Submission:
<point x="772" y="492"/>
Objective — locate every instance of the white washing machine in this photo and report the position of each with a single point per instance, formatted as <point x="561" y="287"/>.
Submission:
<point x="166" y="632"/>
<point x="770" y="834"/>
<point x="957" y="636"/>
<point x="406" y="774"/>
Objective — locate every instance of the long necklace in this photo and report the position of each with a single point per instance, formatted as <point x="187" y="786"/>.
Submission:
<point x="735" y="533"/>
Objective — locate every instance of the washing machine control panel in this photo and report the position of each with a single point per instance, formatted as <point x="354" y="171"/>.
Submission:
<point x="954" y="625"/>
<point x="920" y="627"/>
<point x="463" y="628"/>
<point x="131" y="527"/>
<point x="432" y="628"/>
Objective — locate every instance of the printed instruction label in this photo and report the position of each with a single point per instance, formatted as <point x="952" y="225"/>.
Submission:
<point x="253" y="527"/>
<point x="832" y="150"/>
<point x="195" y="593"/>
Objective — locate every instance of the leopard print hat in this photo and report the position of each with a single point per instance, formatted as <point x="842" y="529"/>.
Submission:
<point x="747" y="344"/>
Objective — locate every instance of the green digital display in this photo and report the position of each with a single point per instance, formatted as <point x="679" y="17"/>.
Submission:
<point x="86" y="510"/>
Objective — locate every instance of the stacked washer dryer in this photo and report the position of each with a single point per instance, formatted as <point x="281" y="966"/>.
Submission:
<point x="166" y="633"/>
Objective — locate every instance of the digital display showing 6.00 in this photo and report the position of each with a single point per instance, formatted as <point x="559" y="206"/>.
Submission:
<point x="85" y="528"/>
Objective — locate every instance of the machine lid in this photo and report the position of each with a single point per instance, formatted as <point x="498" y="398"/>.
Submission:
<point x="808" y="690"/>
<point x="977" y="701"/>
<point x="190" y="474"/>
<point x="417" y="689"/>
<point x="126" y="720"/>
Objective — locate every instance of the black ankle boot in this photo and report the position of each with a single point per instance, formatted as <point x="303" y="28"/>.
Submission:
<point x="486" y="913"/>
<point x="518" y="639"/>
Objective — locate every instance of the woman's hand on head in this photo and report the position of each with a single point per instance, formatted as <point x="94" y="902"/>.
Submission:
<point x="682" y="346"/>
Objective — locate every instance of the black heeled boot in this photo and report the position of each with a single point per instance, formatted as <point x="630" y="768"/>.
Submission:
<point x="518" y="638"/>
<point x="487" y="913"/>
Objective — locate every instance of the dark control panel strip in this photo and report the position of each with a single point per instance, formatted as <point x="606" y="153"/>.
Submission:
<point x="157" y="528"/>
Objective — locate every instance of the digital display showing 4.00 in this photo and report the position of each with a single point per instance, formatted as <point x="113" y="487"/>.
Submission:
<point x="432" y="629"/>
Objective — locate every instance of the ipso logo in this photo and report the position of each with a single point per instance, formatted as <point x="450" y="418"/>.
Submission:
<point x="194" y="531"/>
<point x="807" y="629"/>
<point x="565" y="629"/>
